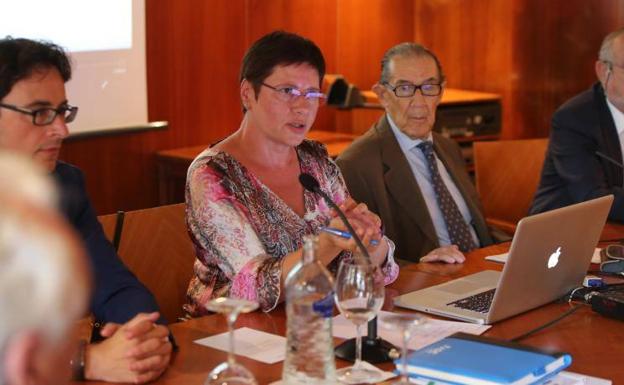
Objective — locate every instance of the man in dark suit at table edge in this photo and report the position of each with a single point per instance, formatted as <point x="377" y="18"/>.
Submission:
<point x="413" y="178"/>
<point x="587" y="139"/>
<point x="33" y="116"/>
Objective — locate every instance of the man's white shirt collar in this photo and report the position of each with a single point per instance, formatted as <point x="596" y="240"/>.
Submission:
<point x="618" y="117"/>
<point x="405" y="142"/>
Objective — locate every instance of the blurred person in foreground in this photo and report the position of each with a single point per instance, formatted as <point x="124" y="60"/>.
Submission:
<point x="44" y="279"/>
<point x="247" y="213"/>
<point x="34" y="112"/>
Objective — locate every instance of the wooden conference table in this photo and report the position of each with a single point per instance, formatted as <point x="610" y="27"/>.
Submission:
<point x="594" y="341"/>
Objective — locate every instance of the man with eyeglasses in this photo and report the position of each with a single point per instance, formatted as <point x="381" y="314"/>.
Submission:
<point x="34" y="113"/>
<point x="584" y="156"/>
<point x="413" y="178"/>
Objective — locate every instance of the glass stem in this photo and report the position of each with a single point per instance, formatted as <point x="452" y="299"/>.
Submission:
<point x="231" y="319"/>
<point x="358" y="347"/>
<point x="406" y="336"/>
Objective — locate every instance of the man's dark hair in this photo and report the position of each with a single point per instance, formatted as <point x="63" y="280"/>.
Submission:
<point x="279" y="48"/>
<point x="19" y="58"/>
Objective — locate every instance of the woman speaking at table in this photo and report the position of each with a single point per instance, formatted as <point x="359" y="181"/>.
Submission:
<point x="247" y="213"/>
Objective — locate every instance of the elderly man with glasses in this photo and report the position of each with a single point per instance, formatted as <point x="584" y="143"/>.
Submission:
<point x="34" y="113"/>
<point x="413" y="178"/>
<point x="584" y="157"/>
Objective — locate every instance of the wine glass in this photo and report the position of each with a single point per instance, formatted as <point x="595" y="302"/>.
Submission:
<point x="404" y="322"/>
<point x="231" y="372"/>
<point x="359" y="295"/>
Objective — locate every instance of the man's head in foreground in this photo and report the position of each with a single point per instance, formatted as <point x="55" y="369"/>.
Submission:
<point x="44" y="283"/>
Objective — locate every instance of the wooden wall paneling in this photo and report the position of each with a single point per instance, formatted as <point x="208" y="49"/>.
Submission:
<point x="314" y="19"/>
<point x="556" y="44"/>
<point x="472" y="40"/>
<point x="223" y="43"/>
<point x="195" y="87"/>
<point x="535" y="54"/>
<point x="366" y="30"/>
<point x="117" y="169"/>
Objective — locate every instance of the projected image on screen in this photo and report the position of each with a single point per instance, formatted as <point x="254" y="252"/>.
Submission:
<point x="77" y="25"/>
<point x="106" y="42"/>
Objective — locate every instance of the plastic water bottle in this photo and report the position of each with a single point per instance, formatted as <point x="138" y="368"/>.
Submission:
<point x="309" y="307"/>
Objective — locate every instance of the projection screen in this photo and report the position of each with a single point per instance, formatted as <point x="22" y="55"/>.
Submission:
<point x="106" y="41"/>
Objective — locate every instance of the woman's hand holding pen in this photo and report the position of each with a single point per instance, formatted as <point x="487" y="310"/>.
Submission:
<point x="367" y="225"/>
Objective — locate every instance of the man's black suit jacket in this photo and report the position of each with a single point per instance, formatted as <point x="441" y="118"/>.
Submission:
<point x="572" y="171"/>
<point x="118" y="294"/>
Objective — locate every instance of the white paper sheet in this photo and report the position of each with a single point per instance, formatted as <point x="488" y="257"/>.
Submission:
<point x="502" y="258"/>
<point x="431" y="331"/>
<point x="570" y="378"/>
<point x="257" y="345"/>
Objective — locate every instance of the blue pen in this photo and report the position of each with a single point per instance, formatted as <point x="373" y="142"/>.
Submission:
<point x="343" y="234"/>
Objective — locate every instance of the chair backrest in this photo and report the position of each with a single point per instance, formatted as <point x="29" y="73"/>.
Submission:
<point x="109" y="223"/>
<point x="157" y="249"/>
<point x="113" y="225"/>
<point x="507" y="176"/>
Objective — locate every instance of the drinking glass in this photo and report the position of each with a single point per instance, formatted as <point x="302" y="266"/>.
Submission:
<point x="359" y="295"/>
<point x="231" y="372"/>
<point x="404" y="322"/>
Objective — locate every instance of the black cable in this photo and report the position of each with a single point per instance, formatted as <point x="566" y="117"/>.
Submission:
<point x="547" y="324"/>
<point x="582" y="293"/>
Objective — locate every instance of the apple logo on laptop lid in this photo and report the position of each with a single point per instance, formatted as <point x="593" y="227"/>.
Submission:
<point x="553" y="260"/>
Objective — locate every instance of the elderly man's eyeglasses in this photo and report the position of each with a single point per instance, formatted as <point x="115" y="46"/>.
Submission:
<point x="407" y="90"/>
<point x="46" y="115"/>
<point x="612" y="65"/>
<point x="290" y="94"/>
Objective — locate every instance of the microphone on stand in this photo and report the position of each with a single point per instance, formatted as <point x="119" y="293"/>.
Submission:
<point x="374" y="349"/>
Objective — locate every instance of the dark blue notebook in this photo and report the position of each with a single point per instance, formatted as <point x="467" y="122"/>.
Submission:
<point x="468" y="359"/>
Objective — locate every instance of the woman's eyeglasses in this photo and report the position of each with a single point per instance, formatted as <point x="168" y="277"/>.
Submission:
<point x="290" y="94"/>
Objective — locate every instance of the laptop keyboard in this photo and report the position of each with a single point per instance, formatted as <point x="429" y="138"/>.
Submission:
<point x="479" y="302"/>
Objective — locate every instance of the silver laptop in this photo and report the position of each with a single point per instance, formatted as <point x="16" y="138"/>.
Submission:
<point x="549" y="256"/>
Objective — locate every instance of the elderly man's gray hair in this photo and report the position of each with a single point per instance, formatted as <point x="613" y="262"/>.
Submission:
<point x="43" y="273"/>
<point x="606" y="49"/>
<point x="21" y="177"/>
<point x="405" y="50"/>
